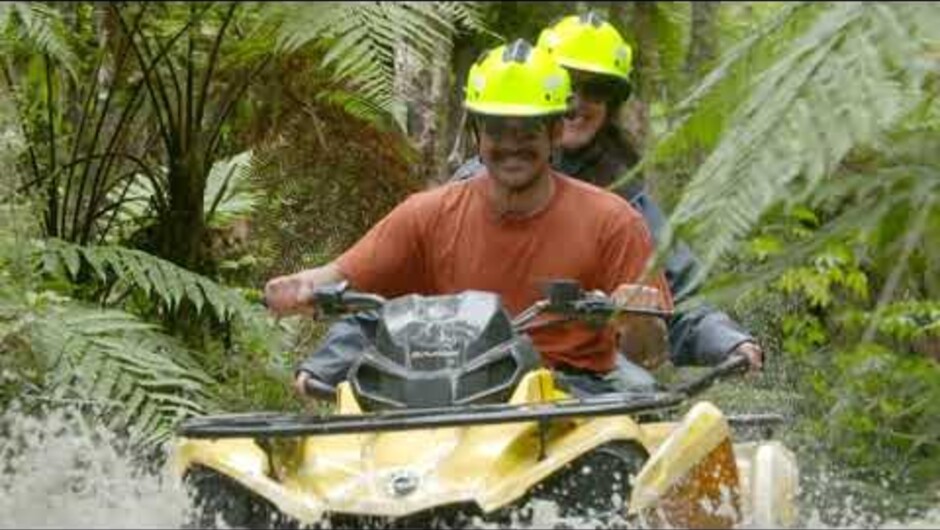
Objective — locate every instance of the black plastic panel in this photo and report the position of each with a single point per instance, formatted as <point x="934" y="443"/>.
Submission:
<point x="440" y="350"/>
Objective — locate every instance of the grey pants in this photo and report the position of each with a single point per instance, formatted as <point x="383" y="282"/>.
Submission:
<point x="338" y="350"/>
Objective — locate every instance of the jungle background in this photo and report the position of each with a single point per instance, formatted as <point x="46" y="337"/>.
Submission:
<point x="160" y="161"/>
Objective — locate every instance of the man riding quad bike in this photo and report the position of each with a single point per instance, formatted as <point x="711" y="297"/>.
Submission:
<point x="485" y="381"/>
<point x="591" y="148"/>
<point x="448" y="420"/>
<point x="519" y="223"/>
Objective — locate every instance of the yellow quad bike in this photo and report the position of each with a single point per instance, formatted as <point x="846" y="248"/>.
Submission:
<point x="448" y="419"/>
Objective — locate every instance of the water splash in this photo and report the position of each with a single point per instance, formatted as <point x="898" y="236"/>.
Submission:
<point x="61" y="472"/>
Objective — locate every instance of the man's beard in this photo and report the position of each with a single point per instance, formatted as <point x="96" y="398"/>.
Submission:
<point x="529" y="156"/>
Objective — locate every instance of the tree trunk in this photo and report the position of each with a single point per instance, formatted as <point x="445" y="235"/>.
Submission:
<point x="459" y="146"/>
<point x="646" y="57"/>
<point x="182" y="233"/>
<point x="703" y="43"/>
<point x="424" y="88"/>
<point x="646" y="77"/>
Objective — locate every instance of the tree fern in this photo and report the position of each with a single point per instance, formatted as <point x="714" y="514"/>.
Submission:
<point x="229" y="195"/>
<point x="360" y="40"/>
<point x="125" y="370"/>
<point x="39" y="27"/>
<point x="856" y="72"/>
<point x="166" y="282"/>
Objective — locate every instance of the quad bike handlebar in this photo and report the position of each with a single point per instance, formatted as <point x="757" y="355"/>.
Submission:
<point x="563" y="297"/>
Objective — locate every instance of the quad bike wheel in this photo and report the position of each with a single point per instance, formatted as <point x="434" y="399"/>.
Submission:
<point x="218" y="499"/>
<point x="596" y="486"/>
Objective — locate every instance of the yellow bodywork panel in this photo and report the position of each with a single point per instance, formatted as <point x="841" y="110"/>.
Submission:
<point x="489" y="465"/>
<point x="399" y="473"/>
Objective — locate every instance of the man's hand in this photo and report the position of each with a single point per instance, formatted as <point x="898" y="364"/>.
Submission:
<point x="642" y="338"/>
<point x="637" y="296"/>
<point x="289" y="295"/>
<point x="753" y="352"/>
<point x="293" y="294"/>
<point x="300" y="383"/>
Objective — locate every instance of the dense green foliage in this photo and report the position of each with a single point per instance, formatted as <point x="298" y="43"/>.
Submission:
<point x="161" y="161"/>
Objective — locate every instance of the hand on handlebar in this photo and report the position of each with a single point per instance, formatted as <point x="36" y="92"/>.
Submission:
<point x="639" y="297"/>
<point x="289" y="295"/>
<point x="754" y="354"/>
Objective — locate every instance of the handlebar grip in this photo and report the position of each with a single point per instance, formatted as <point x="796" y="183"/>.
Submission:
<point x="734" y="363"/>
<point x="663" y="313"/>
<point x="315" y="388"/>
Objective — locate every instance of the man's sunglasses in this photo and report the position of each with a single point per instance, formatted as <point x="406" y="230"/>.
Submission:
<point x="497" y="126"/>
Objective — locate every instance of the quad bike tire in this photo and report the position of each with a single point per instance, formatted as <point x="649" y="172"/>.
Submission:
<point x="218" y="499"/>
<point x="597" y="485"/>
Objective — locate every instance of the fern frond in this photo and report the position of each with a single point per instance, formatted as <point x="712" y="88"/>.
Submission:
<point x="229" y="194"/>
<point x="136" y="377"/>
<point x="360" y="40"/>
<point x="169" y="283"/>
<point x="869" y="207"/>
<point x="40" y="27"/>
<point x="701" y="115"/>
<point x="847" y="80"/>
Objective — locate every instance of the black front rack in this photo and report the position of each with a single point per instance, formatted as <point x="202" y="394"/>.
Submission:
<point x="268" y="425"/>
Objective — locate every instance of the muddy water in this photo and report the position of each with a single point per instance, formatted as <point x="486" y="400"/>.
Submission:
<point x="61" y="472"/>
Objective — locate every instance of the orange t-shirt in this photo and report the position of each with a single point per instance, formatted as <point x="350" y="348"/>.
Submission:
<point x="449" y="240"/>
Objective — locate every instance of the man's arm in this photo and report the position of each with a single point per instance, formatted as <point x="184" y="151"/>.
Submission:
<point x="701" y="335"/>
<point x="293" y="294"/>
<point x="642" y="339"/>
<point x="627" y="247"/>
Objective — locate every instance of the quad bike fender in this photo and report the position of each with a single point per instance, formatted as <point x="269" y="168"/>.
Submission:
<point x="691" y="479"/>
<point x="489" y="465"/>
<point x="243" y="460"/>
<point x="511" y="478"/>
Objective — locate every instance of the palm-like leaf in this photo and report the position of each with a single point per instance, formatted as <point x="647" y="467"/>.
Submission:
<point x="137" y="270"/>
<point x="360" y="40"/>
<point x="853" y="75"/>
<point x="135" y="377"/>
<point x="40" y="27"/>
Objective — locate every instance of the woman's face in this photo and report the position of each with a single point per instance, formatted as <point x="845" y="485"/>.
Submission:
<point x="589" y="115"/>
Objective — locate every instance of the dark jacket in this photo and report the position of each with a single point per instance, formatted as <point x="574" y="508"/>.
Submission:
<point x="702" y="335"/>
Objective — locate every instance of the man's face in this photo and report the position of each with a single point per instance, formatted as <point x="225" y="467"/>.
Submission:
<point x="516" y="151"/>
<point x="591" y="94"/>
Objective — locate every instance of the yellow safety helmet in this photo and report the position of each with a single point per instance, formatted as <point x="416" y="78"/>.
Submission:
<point x="588" y="42"/>
<point x="517" y="79"/>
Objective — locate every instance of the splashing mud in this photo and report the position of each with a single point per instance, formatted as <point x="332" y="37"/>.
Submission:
<point x="59" y="471"/>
